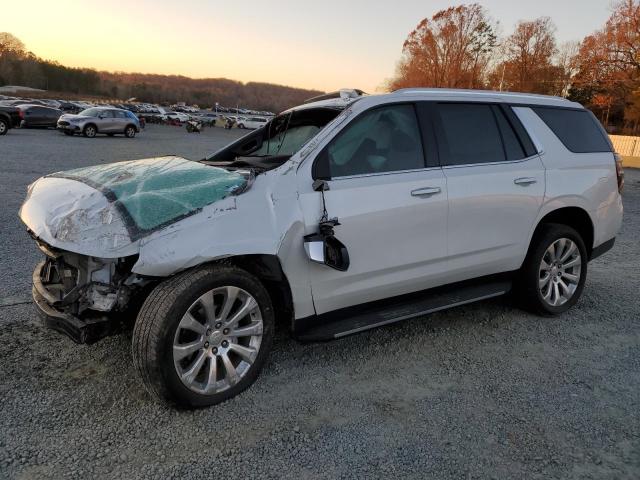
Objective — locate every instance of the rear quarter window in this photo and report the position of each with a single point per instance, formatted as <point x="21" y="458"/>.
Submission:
<point x="578" y="130"/>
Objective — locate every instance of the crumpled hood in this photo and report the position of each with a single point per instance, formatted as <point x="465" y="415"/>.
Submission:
<point x="108" y="208"/>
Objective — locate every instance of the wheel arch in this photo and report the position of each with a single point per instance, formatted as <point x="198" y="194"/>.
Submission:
<point x="268" y="270"/>
<point x="90" y="124"/>
<point x="574" y="217"/>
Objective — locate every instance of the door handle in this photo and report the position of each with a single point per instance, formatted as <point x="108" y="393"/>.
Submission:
<point x="524" y="181"/>
<point x="425" y="192"/>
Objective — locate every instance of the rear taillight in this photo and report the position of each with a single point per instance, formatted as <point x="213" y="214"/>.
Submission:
<point x="21" y="113"/>
<point x="619" y="171"/>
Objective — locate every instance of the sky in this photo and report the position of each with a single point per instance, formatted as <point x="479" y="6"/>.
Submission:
<point x="324" y="45"/>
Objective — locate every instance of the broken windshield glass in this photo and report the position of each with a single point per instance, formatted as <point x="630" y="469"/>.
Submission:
<point x="155" y="192"/>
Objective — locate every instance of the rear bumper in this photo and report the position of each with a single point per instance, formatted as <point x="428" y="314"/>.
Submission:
<point x="80" y="330"/>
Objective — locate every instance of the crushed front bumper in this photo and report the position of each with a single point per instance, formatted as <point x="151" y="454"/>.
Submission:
<point x="80" y="330"/>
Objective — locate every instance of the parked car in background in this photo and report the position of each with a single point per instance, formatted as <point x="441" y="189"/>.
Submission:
<point x="37" y="116"/>
<point x="179" y="116"/>
<point x="251" y="122"/>
<point x="208" y="118"/>
<point x="95" y="120"/>
<point x="9" y="118"/>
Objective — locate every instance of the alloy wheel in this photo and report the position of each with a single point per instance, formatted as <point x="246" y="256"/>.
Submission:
<point x="559" y="273"/>
<point x="217" y="340"/>
<point x="3" y="128"/>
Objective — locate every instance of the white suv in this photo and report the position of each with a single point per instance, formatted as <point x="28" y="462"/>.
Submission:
<point x="340" y="215"/>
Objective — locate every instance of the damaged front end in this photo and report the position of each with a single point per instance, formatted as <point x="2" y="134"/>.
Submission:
<point x="90" y="223"/>
<point x="83" y="297"/>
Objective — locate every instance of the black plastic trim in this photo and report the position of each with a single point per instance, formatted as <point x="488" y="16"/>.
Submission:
<point x="331" y="325"/>
<point x="602" y="249"/>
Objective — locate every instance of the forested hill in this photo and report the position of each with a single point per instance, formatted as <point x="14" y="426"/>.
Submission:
<point x="20" y="67"/>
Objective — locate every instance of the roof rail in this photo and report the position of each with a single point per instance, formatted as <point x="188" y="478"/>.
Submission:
<point x="466" y="91"/>
<point x="342" y="93"/>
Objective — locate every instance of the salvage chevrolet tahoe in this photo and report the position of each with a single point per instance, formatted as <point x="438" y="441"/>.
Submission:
<point x="345" y="213"/>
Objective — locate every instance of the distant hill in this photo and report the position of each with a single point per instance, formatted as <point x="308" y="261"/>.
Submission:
<point x="20" y="67"/>
<point x="205" y="91"/>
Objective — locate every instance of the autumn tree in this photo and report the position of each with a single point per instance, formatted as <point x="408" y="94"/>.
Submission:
<point x="451" y="49"/>
<point x="10" y="43"/>
<point x="528" y="59"/>
<point x="609" y="65"/>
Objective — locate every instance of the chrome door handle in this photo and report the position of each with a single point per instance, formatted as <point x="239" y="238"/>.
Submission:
<point x="524" y="181"/>
<point x="425" y="192"/>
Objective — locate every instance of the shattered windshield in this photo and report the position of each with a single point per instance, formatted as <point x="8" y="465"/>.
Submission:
<point x="152" y="193"/>
<point x="280" y="138"/>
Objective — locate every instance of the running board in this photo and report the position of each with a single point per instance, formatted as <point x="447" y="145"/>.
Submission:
<point x="364" y="317"/>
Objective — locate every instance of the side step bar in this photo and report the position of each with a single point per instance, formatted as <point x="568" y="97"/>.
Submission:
<point x="364" y="317"/>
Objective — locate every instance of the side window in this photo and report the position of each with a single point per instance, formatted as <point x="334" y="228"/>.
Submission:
<point x="119" y="114"/>
<point x="578" y="130"/>
<point x="467" y="134"/>
<point x="106" y="114"/>
<point x="383" y="139"/>
<point x="512" y="146"/>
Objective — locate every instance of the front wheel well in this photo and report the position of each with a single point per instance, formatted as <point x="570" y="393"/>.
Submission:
<point x="574" y="217"/>
<point x="268" y="270"/>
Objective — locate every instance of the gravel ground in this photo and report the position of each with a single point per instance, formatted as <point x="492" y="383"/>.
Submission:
<point x="482" y="391"/>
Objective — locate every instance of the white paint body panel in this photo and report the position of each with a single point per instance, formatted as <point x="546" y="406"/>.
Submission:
<point x="490" y="216"/>
<point x="585" y="180"/>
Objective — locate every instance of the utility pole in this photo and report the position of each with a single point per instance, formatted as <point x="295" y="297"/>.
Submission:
<point x="504" y="66"/>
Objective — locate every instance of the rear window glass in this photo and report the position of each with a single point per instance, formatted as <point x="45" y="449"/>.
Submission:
<point x="469" y="135"/>
<point x="578" y="130"/>
<point x="512" y="145"/>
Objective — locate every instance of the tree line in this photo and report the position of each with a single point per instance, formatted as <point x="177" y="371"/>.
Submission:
<point x="21" y="67"/>
<point x="460" y="47"/>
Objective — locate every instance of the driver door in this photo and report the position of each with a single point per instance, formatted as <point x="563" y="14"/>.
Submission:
<point x="392" y="209"/>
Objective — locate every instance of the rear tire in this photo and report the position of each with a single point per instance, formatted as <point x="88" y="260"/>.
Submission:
<point x="130" y="131"/>
<point x="175" y="318"/>
<point x="4" y="126"/>
<point x="90" y="131"/>
<point x="553" y="274"/>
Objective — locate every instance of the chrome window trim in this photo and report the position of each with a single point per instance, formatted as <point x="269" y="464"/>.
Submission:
<point x="503" y="162"/>
<point x="378" y="174"/>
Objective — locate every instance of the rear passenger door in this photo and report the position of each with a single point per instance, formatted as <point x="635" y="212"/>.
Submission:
<point x="495" y="182"/>
<point x="121" y="120"/>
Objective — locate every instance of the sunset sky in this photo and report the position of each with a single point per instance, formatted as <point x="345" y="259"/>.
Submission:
<point x="325" y="45"/>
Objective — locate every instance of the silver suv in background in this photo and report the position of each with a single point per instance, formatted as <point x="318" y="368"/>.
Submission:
<point x="95" y="120"/>
<point x="343" y="214"/>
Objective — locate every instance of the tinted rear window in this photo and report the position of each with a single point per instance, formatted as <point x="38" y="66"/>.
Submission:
<point x="469" y="134"/>
<point x="578" y="130"/>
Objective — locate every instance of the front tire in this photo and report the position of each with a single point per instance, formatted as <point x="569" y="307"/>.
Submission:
<point x="4" y="127"/>
<point x="90" y="131"/>
<point x="554" y="272"/>
<point x="203" y="336"/>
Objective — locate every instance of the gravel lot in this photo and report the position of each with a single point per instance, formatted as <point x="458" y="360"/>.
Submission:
<point x="482" y="391"/>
